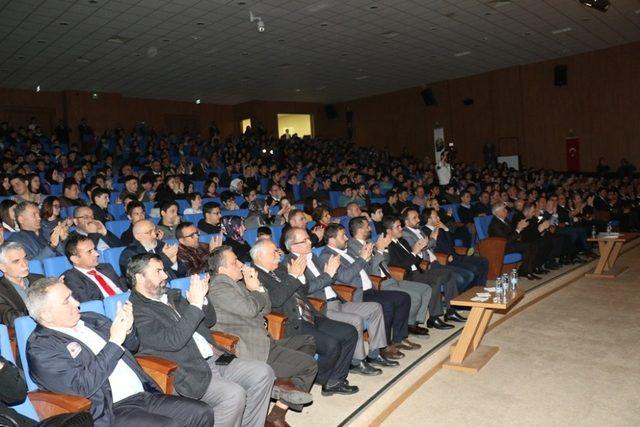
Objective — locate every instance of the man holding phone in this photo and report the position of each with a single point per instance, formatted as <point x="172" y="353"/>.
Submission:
<point x="177" y="329"/>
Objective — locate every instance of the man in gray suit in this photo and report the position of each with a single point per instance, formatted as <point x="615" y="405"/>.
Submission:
<point x="240" y="303"/>
<point x="395" y="305"/>
<point x="320" y="278"/>
<point x="419" y="293"/>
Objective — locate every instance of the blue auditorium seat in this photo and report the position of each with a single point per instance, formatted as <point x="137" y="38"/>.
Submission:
<point x="118" y="227"/>
<point x="54" y="267"/>
<point x="95" y="306"/>
<point x="111" y="304"/>
<point x="35" y="266"/>
<point x="112" y="256"/>
<point x="182" y="283"/>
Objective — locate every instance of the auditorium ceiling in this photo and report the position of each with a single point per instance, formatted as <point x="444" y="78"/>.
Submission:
<point x="311" y="50"/>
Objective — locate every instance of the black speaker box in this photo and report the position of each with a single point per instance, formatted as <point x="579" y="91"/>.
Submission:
<point x="428" y="97"/>
<point x="560" y="75"/>
<point x="330" y="111"/>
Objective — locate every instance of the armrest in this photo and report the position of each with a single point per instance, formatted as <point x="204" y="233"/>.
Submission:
<point x="346" y="292"/>
<point x="460" y="250"/>
<point x="377" y="281"/>
<point x="48" y="404"/>
<point x="493" y="249"/>
<point x="161" y="370"/>
<point x="443" y="258"/>
<point x="317" y="304"/>
<point x="275" y="324"/>
<point x="397" y="272"/>
<point x="228" y="341"/>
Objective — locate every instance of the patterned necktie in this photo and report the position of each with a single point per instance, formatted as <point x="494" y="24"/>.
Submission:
<point x="103" y="283"/>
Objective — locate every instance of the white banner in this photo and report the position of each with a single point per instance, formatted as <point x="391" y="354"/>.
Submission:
<point x="438" y="143"/>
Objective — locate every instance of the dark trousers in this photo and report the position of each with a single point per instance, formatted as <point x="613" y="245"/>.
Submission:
<point x="395" y="310"/>
<point x="478" y="265"/>
<point x="578" y="237"/>
<point x="529" y="253"/>
<point x="442" y="282"/>
<point x="293" y="358"/>
<point x="151" y="410"/>
<point x="335" y="344"/>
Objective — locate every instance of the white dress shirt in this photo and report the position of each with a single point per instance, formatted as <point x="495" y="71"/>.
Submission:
<point x="104" y="293"/>
<point x="329" y="293"/>
<point x="364" y="277"/>
<point x="123" y="380"/>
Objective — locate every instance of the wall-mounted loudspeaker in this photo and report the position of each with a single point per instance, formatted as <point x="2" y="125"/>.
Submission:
<point x="428" y="97"/>
<point x="560" y="75"/>
<point x="330" y="111"/>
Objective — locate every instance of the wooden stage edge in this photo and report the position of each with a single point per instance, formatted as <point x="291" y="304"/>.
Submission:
<point x="378" y="410"/>
<point x="611" y="274"/>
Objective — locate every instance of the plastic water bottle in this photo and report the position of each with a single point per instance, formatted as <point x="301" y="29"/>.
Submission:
<point x="499" y="281"/>
<point x="609" y="227"/>
<point x="594" y="232"/>
<point x="514" y="280"/>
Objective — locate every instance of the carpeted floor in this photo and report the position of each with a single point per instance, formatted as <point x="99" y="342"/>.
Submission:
<point x="571" y="359"/>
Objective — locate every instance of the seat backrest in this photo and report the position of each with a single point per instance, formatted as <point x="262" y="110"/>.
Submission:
<point x="482" y="226"/>
<point x="251" y="235"/>
<point x="193" y="218"/>
<point x="94" y="305"/>
<point x="25" y="408"/>
<point x="35" y="266"/>
<point x="317" y="251"/>
<point x="239" y="212"/>
<point x="334" y="197"/>
<point x="118" y="227"/>
<point x="182" y="283"/>
<point x="276" y="233"/>
<point x="112" y="256"/>
<point x="24" y="326"/>
<point x="54" y="267"/>
<point x="111" y="304"/>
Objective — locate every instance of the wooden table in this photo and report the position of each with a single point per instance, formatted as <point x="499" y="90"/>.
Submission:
<point x="467" y="354"/>
<point x="609" y="250"/>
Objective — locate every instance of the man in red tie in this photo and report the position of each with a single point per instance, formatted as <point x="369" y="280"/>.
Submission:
<point x="88" y="280"/>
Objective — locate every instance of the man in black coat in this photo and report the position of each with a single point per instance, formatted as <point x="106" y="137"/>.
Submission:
<point x="88" y="279"/>
<point x="86" y="225"/>
<point x="13" y="285"/>
<point x="177" y="329"/>
<point x="335" y="341"/>
<point x="88" y="355"/>
<point x="135" y="213"/>
<point x="499" y="227"/>
<point x="145" y="235"/>
<point x="297" y="219"/>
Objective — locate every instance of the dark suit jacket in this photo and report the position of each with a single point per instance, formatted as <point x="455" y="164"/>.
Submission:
<point x="283" y="299"/>
<point x="136" y="248"/>
<point x="466" y="214"/>
<point x="165" y="334"/>
<point x="398" y="256"/>
<point x="53" y="368"/>
<point x="101" y="214"/>
<point x="110" y="239"/>
<point x="36" y="246"/>
<point x="85" y="289"/>
<point x="498" y="228"/>
<point x="316" y="284"/>
<point x="13" y="390"/>
<point x="240" y="249"/>
<point x="11" y="305"/>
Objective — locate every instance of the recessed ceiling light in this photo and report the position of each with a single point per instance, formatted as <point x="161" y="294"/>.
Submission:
<point x="561" y="30"/>
<point x="63" y="23"/>
<point x="373" y="7"/>
<point x="465" y="53"/>
<point x="637" y="11"/>
<point x="298" y="90"/>
<point x="38" y="88"/>
<point x="116" y="39"/>
<point x="241" y="3"/>
<point x="137" y="54"/>
<point x="361" y="77"/>
<point x="94" y="95"/>
<point x="324" y="24"/>
<point x="200" y="24"/>
<point x="41" y="42"/>
<point x="194" y="37"/>
<point x="198" y="101"/>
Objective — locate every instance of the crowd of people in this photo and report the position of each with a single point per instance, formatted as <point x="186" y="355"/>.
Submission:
<point x="346" y="215"/>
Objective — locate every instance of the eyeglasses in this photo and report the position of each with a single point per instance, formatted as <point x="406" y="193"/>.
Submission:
<point x="88" y="217"/>
<point x="301" y="241"/>
<point x="195" y="233"/>
<point x="151" y="231"/>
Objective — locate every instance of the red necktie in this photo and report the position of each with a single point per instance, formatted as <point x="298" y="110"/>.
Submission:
<point x="102" y="282"/>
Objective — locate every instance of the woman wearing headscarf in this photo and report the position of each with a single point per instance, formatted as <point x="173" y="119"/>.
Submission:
<point x="233" y="229"/>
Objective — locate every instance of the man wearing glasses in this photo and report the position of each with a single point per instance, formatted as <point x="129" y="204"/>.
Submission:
<point x="193" y="254"/>
<point x="86" y="225"/>
<point x="210" y="224"/>
<point x="147" y="238"/>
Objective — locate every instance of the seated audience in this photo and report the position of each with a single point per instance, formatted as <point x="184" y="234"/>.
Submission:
<point x="8" y="215"/>
<point x="191" y="252"/>
<point x="169" y="219"/>
<point x="14" y="282"/>
<point x="135" y="213"/>
<point x="70" y="194"/>
<point x="99" y="205"/>
<point x="31" y="237"/>
<point x="233" y="229"/>
<point x="86" y="225"/>
<point x="89" y="279"/>
<point x="210" y="224"/>
<point x="195" y="204"/>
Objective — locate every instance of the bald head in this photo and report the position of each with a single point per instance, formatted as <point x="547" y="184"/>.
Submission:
<point x="145" y="232"/>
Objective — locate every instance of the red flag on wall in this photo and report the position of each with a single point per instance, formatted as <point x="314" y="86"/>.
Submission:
<point x="573" y="154"/>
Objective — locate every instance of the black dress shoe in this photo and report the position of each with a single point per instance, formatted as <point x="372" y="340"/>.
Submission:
<point x="381" y="361"/>
<point x="532" y="276"/>
<point x="540" y="270"/>
<point x="363" y="368"/>
<point x="551" y="265"/>
<point x="340" y="388"/>
<point x="418" y="330"/>
<point x="454" y="317"/>
<point x="436" y="323"/>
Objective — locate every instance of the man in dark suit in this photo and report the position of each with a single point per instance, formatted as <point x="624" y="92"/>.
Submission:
<point x="88" y="355"/>
<point x="241" y="303"/>
<point x="406" y="256"/>
<point x="500" y="227"/>
<point x="352" y="271"/>
<point x="99" y="205"/>
<point x="36" y="245"/>
<point x="86" y="225"/>
<point x="88" y="279"/>
<point x="297" y="219"/>
<point x="176" y="328"/>
<point x="335" y="341"/>
<point x="145" y="235"/>
<point x="13" y="285"/>
<point x="478" y="265"/>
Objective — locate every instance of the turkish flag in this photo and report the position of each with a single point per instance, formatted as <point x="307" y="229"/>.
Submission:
<point x="573" y="154"/>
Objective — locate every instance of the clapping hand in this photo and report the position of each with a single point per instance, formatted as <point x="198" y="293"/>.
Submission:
<point x="297" y="266"/>
<point x="122" y="323"/>
<point x="332" y="265"/>
<point x="250" y="276"/>
<point x="215" y="242"/>
<point x="171" y="251"/>
<point x="420" y="245"/>
<point x="383" y="242"/>
<point x="198" y="288"/>
<point x="366" y="251"/>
